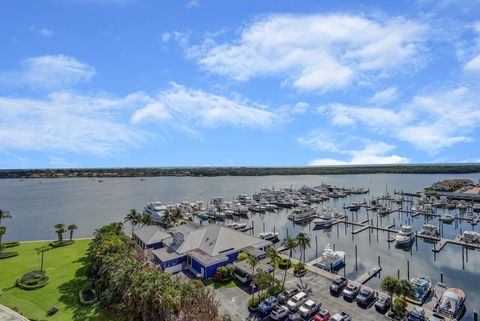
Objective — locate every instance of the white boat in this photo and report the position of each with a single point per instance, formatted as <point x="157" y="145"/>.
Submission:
<point x="269" y="236"/>
<point x="430" y="230"/>
<point x="470" y="236"/>
<point x="325" y="220"/>
<point x="330" y="259"/>
<point x="383" y="210"/>
<point x="156" y="210"/>
<point x="302" y="214"/>
<point x="447" y="218"/>
<point x="451" y="303"/>
<point x="236" y="226"/>
<point x="417" y="208"/>
<point x="405" y="236"/>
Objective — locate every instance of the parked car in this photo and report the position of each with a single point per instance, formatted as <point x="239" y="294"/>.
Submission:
<point x="338" y="285"/>
<point x="365" y="297"/>
<point x="383" y="304"/>
<point x="296" y="301"/>
<point x="294" y="317"/>
<point x="342" y="316"/>
<point x="287" y="294"/>
<point x="417" y="314"/>
<point x="267" y="305"/>
<point x="351" y="291"/>
<point x="322" y="315"/>
<point x="279" y="312"/>
<point x="309" y="308"/>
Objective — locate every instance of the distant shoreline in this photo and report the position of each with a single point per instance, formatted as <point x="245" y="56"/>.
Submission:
<point x="240" y="171"/>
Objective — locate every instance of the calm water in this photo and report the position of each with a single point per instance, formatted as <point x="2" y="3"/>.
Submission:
<point x="36" y="207"/>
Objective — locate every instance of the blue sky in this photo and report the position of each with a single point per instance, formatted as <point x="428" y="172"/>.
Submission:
<point x="107" y="83"/>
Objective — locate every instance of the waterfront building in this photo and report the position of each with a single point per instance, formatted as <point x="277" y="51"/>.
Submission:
<point x="199" y="249"/>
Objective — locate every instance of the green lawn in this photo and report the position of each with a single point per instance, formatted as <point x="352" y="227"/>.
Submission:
<point x="219" y="285"/>
<point x="66" y="268"/>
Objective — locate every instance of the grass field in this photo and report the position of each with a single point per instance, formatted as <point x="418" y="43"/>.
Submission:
<point x="66" y="268"/>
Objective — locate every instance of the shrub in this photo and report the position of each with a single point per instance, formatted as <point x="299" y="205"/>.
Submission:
<point x="284" y="264"/>
<point x="242" y="256"/>
<point x="398" y="308"/>
<point x="253" y="303"/>
<point x="225" y="273"/>
<point x="88" y="296"/>
<point x="63" y="243"/>
<point x="32" y="281"/>
<point x="6" y="255"/>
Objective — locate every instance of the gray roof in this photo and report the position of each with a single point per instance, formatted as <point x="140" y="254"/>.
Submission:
<point x="164" y="254"/>
<point x="245" y="267"/>
<point x="205" y="258"/>
<point x="216" y="240"/>
<point x="151" y="234"/>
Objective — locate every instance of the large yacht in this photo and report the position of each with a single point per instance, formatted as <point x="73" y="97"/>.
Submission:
<point x="405" y="236"/>
<point x="330" y="259"/>
<point x="302" y="214"/>
<point x="325" y="220"/>
<point x="156" y="210"/>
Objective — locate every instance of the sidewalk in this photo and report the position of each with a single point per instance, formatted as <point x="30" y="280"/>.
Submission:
<point x="8" y="315"/>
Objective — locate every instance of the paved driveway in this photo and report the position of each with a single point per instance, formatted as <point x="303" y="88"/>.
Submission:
<point x="8" y="315"/>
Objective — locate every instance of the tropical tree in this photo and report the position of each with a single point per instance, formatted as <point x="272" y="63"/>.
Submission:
<point x="3" y="230"/>
<point x="41" y="251"/>
<point x="303" y="241"/>
<point x="405" y="289"/>
<point x="60" y="229"/>
<point x="71" y="228"/>
<point x="253" y="262"/>
<point x="273" y="254"/>
<point x="147" y="219"/>
<point x="289" y="244"/>
<point x="398" y="308"/>
<point x="134" y="218"/>
<point x="390" y="285"/>
<point x="4" y="214"/>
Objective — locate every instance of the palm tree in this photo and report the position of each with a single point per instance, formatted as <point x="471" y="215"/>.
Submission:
<point x="252" y="261"/>
<point x="273" y="255"/>
<point x="3" y="230"/>
<point x="289" y="244"/>
<point x="405" y="289"/>
<point x="303" y="241"/>
<point x="60" y="229"/>
<point x="390" y="285"/>
<point x="134" y="218"/>
<point x="147" y="219"/>
<point x="42" y="250"/>
<point x="4" y="214"/>
<point x="71" y="228"/>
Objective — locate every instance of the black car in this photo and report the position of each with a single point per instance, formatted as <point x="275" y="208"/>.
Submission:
<point x="287" y="294"/>
<point x="338" y="285"/>
<point x="383" y="304"/>
<point x="365" y="298"/>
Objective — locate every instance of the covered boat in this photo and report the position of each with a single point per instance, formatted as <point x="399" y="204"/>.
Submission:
<point x="451" y="303"/>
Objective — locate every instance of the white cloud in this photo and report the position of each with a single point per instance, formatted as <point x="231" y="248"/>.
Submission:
<point x="315" y="52"/>
<point x="178" y="36"/>
<point x="372" y="153"/>
<point x="193" y="4"/>
<point x="58" y="71"/>
<point x="45" y="32"/>
<point x="429" y="122"/>
<point x="473" y="65"/>
<point x="386" y="96"/>
<point x="189" y="109"/>
<point x="67" y="122"/>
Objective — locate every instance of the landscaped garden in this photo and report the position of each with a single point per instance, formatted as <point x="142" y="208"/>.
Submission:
<point x="66" y="269"/>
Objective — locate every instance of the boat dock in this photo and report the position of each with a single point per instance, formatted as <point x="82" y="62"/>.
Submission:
<point x="368" y="275"/>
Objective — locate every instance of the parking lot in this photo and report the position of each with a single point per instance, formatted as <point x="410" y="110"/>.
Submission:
<point x="233" y="301"/>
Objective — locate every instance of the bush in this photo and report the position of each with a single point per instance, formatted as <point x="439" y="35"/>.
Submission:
<point x="10" y="244"/>
<point x="32" y="281"/>
<point x="225" y="273"/>
<point x="88" y="296"/>
<point x="398" y="308"/>
<point x="253" y="303"/>
<point x="6" y="255"/>
<point x="63" y="243"/>
<point x="284" y="264"/>
<point x="242" y="256"/>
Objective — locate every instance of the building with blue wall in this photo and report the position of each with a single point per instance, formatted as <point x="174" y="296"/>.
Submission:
<point x="199" y="249"/>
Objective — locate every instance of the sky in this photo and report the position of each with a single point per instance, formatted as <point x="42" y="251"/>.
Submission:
<point x="131" y="83"/>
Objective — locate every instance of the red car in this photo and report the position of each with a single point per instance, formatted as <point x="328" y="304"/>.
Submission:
<point x="322" y="315"/>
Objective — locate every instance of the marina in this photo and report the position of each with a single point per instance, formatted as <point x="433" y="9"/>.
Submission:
<point x="364" y="228"/>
